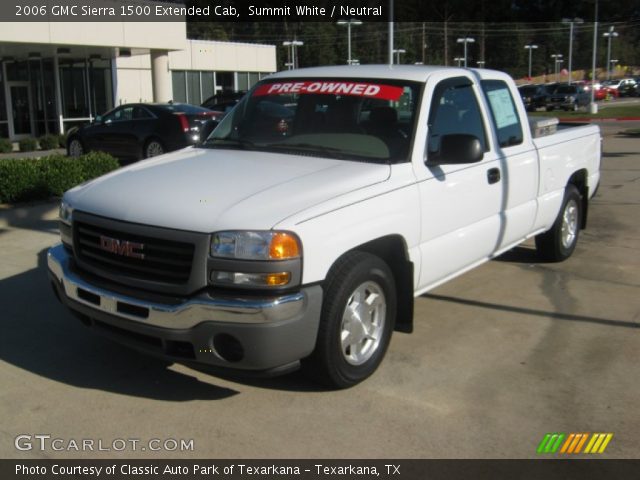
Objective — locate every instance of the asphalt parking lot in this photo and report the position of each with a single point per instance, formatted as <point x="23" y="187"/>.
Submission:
<point x="499" y="357"/>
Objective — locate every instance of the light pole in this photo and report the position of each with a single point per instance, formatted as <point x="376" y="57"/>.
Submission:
<point x="571" y="21"/>
<point x="293" y="53"/>
<point x="613" y="62"/>
<point x="593" y="107"/>
<point x="609" y="35"/>
<point x="459" y="60"/>
<point x="348" y="24"/>
<point x="398" y="51"/>
<point x="465" y="40"/>
<point x="530" y="47"/>
<point x="557" y="58"/>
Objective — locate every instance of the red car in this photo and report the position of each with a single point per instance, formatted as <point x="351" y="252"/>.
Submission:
<point x="602" y="92"/>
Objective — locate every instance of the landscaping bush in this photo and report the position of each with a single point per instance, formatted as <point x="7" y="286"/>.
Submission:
<point x="28" y="144"/>
<point x="33" y="179"/>
<point x="48" y="142"/>
<point x="5" y="145"/>
<point x="62" y="140"/>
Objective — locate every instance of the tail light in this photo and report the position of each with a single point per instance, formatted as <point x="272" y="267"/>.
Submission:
<point x="184" y="122"/>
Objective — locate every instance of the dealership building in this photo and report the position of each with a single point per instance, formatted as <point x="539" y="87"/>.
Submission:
<point x="54" y="75"/>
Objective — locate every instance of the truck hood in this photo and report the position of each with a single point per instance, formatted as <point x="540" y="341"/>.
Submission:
<point x="204" y="190"/>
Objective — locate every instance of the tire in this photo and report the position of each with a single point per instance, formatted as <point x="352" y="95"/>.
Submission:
<point x="560" y="241"/>
<point x="358" y="283"/>
<point x="75" y="148"/>
<point x="153" y="148"/>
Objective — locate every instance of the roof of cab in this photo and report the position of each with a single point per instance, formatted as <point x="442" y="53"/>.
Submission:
<point x="417" y="73"/>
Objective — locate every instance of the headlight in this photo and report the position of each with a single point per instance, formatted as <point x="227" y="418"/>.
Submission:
<point x="255" y="245"/>
<point x="65" y="212"/>
<point x="572" y="99"/>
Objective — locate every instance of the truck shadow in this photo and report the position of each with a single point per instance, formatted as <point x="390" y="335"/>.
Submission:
<point x="39" y="335"/>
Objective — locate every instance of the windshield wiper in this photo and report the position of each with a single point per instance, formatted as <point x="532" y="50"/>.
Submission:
<point x="333" y="152"/>
<point x="228" y="143"/>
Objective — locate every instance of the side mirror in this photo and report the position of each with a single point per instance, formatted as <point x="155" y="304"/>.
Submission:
<point x="98" y="119"/>
<point x="457" y="148"/>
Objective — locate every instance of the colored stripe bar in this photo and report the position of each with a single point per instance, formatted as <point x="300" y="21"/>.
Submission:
<point x="605" y="443"/>
<point x="555" y="447"/>
<point x="584" y="439"/>
<point x="550" y="443"/>
<point x="596" y="446"/>
<point x="543" y="443"/>
<point x="567" y="443"/>
<point x="591" y="442"/>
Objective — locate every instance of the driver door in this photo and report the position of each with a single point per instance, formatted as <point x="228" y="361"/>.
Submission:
<point x="461" y="203"/>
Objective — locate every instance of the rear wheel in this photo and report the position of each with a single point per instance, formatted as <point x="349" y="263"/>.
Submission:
<point x="75" y="148"/>
<point x="560" y="241"/>
<point x="153" y="148"/>
<point x="358" y="316"/>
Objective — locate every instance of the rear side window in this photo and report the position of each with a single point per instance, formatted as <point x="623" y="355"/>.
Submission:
<point x="503" y="112"/>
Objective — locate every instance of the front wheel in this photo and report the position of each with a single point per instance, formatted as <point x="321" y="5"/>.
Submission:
<point x="560" y="241"/>
<point x="358" y="316"/>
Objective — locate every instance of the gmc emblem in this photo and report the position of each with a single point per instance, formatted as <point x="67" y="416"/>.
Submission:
<point x="122" y="247"/>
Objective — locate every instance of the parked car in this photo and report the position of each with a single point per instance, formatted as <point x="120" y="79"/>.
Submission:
<point x="533" y="96"/>
<point x="626" y="87"/>
<point x="140" y="130"/>
<point x="568" y="97"/>
<point x="302" y="229"/>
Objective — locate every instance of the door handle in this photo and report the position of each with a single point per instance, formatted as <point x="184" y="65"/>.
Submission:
<point x="493" y="175"/>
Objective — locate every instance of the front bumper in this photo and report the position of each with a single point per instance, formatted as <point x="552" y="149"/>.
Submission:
<point x="240" y="332"/>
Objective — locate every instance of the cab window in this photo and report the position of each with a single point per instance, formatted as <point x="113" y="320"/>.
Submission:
<point x="454" y="110"/>
<point x="503" y="112"/>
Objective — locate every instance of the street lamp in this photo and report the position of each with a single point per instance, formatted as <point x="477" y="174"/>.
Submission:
<point x="465" y="40"/>
<point x="571" y="21"/>
<point x="613" y="62"/>
<point x="459" y="60"/>
<point x="293" y="52"/>
<point x="530" y="47"/>
<point x="557" y="58"/>
<point x="609" y="35"/>
<point x="398" y="51"/>
<point x="593" y="106"/>
<point x="349" y="23"/>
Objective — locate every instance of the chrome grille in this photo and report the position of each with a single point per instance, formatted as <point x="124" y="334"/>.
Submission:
<point x="164" y="260"/>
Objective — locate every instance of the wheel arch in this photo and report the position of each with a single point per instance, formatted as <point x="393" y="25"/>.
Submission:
<point x="392" y="249"/>
<point x="579" y="180"/>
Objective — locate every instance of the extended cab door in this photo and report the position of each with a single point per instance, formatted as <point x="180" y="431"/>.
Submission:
<point x="461" y="202"/>
<point x="518" y="159"/>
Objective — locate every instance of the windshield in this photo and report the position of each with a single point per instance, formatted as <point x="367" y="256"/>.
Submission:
<point x="361" y="120"/>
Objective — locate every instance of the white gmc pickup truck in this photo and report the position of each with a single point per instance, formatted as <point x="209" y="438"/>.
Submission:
<point x="302" y="229"/>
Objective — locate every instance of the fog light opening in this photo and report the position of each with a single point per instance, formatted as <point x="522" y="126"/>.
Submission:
<point x="228" y="347"/>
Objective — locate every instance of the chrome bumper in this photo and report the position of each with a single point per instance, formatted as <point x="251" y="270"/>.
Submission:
<point x="184" y="315"/>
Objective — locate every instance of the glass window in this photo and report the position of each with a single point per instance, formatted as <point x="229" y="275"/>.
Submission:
<point x="503" y="112"/>
<point x="454" y="110"/>
<point x="119" y="115"/>
<point x="179" y="86"/>
<point x="207" y="84"/>
<point x="74" y="92"/>
<point x="140" y="113"/>
<point x="253" y="79"/>
<point x="348" y="119"/>
<point x="225" y="81"/>
<point x="193" y="88"/>
<point x="243" y="81"/>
